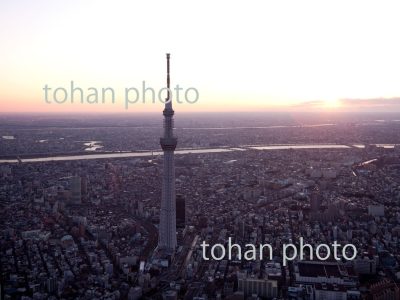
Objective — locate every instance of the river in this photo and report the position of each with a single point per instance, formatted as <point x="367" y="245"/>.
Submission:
<point x="187" y="151"/>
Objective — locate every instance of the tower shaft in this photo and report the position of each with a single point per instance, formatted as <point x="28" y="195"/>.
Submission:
<point x="167" y="228"/>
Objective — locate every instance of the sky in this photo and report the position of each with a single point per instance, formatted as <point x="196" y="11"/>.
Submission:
<point x="238" y="55"/>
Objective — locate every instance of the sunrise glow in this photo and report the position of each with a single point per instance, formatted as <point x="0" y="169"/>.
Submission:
<point x="263" y="56"/>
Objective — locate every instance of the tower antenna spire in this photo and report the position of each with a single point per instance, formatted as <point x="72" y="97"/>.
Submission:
<point x="168" y="55"/>
<point x="168" y="102"/>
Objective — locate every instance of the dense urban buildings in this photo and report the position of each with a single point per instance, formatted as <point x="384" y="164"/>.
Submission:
<point x="285" y="183"/>
<point x="88" y="228"/>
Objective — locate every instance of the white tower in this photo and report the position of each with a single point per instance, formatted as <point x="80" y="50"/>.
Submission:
<point x="167" y="229"/>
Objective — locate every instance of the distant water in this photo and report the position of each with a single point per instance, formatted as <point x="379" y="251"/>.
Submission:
<point x="257" y="127"/>
<point x="93" y="146"/>
<point x="194" y="150"/>
<point x="112" y="155"/>
<point x="283" y="147"/>
<point x="389" y="146"/>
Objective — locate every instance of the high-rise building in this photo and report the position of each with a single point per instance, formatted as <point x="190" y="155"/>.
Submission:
<point x="84" y="186"/>
<point x="52" y="285"/>
<point x="75" y="187"/>
<point x="376" y="210"/>
<point x="264" y="288"/>
<point x="167" y="228"/>
<point x="180" y="211"/>
<point x="315" y="200"/>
